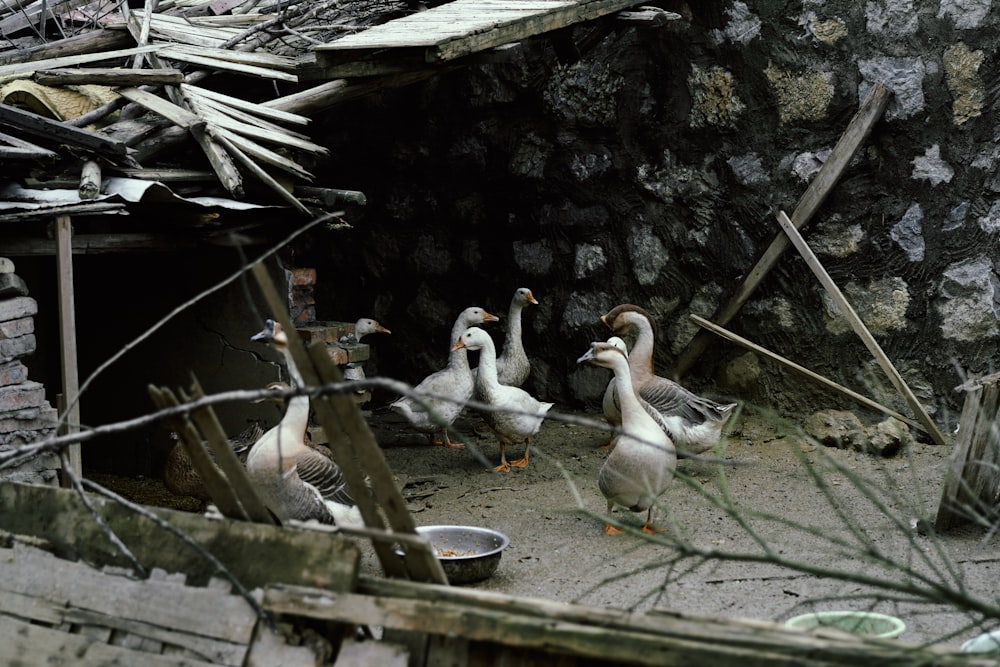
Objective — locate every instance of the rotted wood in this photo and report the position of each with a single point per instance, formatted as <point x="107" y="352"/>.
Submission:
<point x="53" y="130"/>
<point x="19" y="148"/>
<point x="857" y="131"/>
<point x="927" y="424"/>
<point x="90" y="180"/>
<point x="498" y="625"/>
<point x="221" y="493"/>
<point x="255" y="553"/>
<point x="91" y="41"/>
<point x="233" y="470"/>
<point x="331" y="197"/>
<point x="973" y="476"/>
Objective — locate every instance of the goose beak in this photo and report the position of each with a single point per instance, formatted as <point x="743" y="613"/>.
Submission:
<point x="604" y="319"/>
<point x="266" y="335"/>
<point x="489" y="317"/>
<point x="382" y="329"/>
<point x="531" y="298"/>
<point x="459" y="345"/>
<point x="587" y="356"/>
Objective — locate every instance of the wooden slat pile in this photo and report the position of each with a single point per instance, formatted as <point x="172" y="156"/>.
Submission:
<point x="163" y="71"/>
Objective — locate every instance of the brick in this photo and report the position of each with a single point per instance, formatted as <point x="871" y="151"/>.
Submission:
<point x="15" y="348"/>
<point x="301" y="277"/>
<point x="42" y="420"/>
<point x="19" y="327"/>
<point x="326" y="331"/>
<point x="22" y="306"/>
<point x="13" y="372"/>
<point x="12" y="285"/>
<point x="21" y="396"/>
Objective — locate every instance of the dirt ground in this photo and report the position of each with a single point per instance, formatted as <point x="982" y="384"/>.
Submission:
<point x="819" y="510"/>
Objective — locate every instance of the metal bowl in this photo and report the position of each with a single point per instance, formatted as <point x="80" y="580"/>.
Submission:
<point x="466" y="553"/>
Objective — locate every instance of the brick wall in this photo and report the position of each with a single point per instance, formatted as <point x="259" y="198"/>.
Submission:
<point x="25" y="415"/>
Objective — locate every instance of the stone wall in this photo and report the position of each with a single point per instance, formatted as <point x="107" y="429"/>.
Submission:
<point x="649" y="168"/>
<point x="25" y="415"/>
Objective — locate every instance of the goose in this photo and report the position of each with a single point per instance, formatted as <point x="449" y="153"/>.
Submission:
<point x="693" y="422"/>
<point x="515" y="415"/>
<point x="642" y="462"/>
<point x="444" y="393"/>
<point x="354" y="370"/>
<point x="609" y="403"/>
<point x="513" y="366"/>
<point x="179" y="475"/>
<point x="296" y="481"/>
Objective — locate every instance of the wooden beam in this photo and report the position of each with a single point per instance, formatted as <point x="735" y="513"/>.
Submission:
<point x="864" y="400"/>
<point x="858" y="129"/>
<point x="860" y="329"/>
<point x="107" y="76"/>
<point x="67" y="338"/>
<point x="53" y="130"/>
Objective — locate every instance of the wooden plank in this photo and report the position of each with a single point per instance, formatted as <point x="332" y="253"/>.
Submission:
<point x="596" y="636"/>
<point x="68" y="365"/>
<point x="107" y="76"/>
<point x="235" y="114"/>
<point x="90" y="41"/>
<point x="53" y="130"/>
<point x="227" y="65"/>
<point x="15" y="70"/>
<point x="970" y="485"/>
<point x="186" y="609"/>
<point x="175" y="114"/>
<point x="287" y="554"/>
<point x="263" y="154"/>
<point x="261" y="110"/>
<point x="255" y="169"/>
<point x="257" y="58"/>
<point x="272" y="134"/>
<point x="35" y="13"/>
<point x="850" y="141"/>
<point x="860" y="329"/>
<point x="27" y="645"/>
<point x="864" y="400"/>
<point x="20" y="147"/>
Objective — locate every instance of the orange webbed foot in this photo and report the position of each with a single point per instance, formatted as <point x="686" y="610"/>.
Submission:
<point x="612" y="530"/>
<point x="503" y="467"/>
<point x="520" y="463"/>
<point x="650" y="528"/>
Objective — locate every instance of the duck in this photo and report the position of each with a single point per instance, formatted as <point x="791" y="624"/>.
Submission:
<point x="513" y="366"/>
<point x="514" y="415"/>
<point x="296" y="481"/>
<point x="355" y="370"/>
<point x="179" y="474"/>
<point x="643" y="458"/>
<point x="444" y="393"/>
<point x="693" y="422"/>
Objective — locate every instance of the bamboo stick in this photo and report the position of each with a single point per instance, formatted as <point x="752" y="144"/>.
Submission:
<point x="730" y="336"/>
<point x="855" y="134"/>
<point x="860" y="329"/>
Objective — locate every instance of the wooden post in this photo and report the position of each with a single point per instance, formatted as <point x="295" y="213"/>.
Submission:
<point x="970" y="485"/>
<point x="70" y="419"/>
<point x="858" y="129"/>
<point x="90" y="180"/>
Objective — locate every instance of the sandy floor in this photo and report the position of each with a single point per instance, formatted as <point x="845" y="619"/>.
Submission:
<point x="782" y="528"/>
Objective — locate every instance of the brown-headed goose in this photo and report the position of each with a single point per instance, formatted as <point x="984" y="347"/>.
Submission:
<point x="642" y="462"/>
<point x="443" y="394"/>
<point x="693" y="422"/>
<point x="514" y="414"/>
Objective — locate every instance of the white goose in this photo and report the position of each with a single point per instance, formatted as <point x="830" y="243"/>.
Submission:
<point x="609" y="403"/>
<point x="513" y="366"/>
<point x="294" y="480"/>
<point x="356" y="370"/>
<point x="693" y="422"/>
<point x="515" y="415"/>
<point x="445" y="392"/>
<point x="641" y="465"/>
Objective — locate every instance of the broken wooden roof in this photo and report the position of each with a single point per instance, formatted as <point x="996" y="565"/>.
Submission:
<point x="95" y="94"/>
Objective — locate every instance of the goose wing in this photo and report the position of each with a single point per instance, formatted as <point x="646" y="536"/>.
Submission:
<point x="324" y="475"/>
